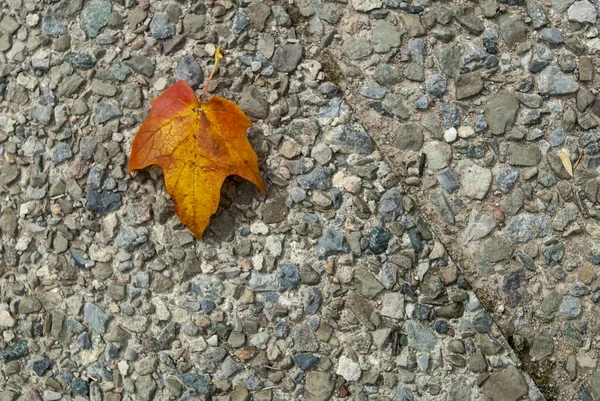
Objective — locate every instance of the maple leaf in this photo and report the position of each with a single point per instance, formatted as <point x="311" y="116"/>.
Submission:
<point x="197" y="145"/>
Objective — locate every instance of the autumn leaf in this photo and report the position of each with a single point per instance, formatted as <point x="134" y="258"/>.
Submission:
<point x="197" y="145"/>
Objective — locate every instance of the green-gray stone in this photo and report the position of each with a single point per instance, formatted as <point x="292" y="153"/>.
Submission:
<point x="95" y="16"/>
<point x="119" y="70"/>
<point x="420" y="337"/>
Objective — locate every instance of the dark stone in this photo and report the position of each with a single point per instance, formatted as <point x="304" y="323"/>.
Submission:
<point x="199" y="383"/>
<point x="79" y="386"/>
<point x="379" y="239"/>
<point x="288" y="276"/>
<point x="81" y="60"/>
<point x="332" y="242"/>
<point x="41" y="366"/>
<point x="441" y="326"/>
<point x="14" y="351"/>
<point x="306" y="361"/>
<point x="515" y="288"/>
<point x="312" y="299"/>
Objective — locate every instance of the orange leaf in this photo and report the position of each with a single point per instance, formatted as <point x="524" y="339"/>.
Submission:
<point x="197" y="146"/>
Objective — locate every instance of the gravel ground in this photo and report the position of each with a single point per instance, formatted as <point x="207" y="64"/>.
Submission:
<point x="420" y="238"/>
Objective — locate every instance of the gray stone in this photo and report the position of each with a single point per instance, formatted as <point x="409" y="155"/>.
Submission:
<point x="60" y="153"/>
<point x="543" y="347"/>
<point x="193" y="25"/>
<point x="287" y="57"/>
<point x="395" y="105"/>
<point x="96" y="16"/>
<point x="551" y="35"/>
<point x="142" y="65"/>
<point x="350" y="140"/>
<point x="450" y="114"/>
<point x="560" y="6"/>
<point x="448" y="58"/>
<point x="327" y="13"/>
<point x="439" y="154"/>
<point x="537" y="13"/>
<point x="81" y="60"/>
<point x="594" y="382"/>
<point x="475" y="181"/>
<point x="319" y="386"/>
<point x="583" y="12"/>
<point x="420" y="337"/>
<point x="497" y="248"/>
<point x="312" y="299"/>
<point x="254" y="103"/>
<point x="565" y="216"/>
<point x="482" y="321"/>
<point x="356" y="48"/>
<point x="372" y="92"/>
<point x="436" y="85"/>
<point x="413" y="25"/>
<point x="318" y="178"/>
<point x="466" y="16"/>
<point x="501" y="112"/>
<point x="512" y="29"/>
<point x="189" y="70"/>
<point x="52" y="27"/>
<point x="304" y="339"/>
<point x="524" y="155"/>
<point x="551" y="303"/>
<point x="506" y="385"/>
<point x="145" y="387"/>
<point x="332" y="242"/>
<point x="105" y="112"/>
<point x="414" y="72"/>
<point x="388" y="76"/>
<point x="281" y="16"/>
<point x="570" y="308"/>
<point x="288" y="275"/>
<point x="96" y="318"/>
<point x="525" y="227"/>
<point x="385" y="36"/>
<point x="390" y="205"/>
<point x="404" y="394"/>
<point x="161" y="27"/>
<point x="480" y="225"/>
<point x="468" y="85"/>
<point x="552" y="81"/>
<point x="471" y="52"/>
<point x="41" y="114"/>
<point x="506" y="179"/>
<point x="449" y="180"/>
<point x="366" y="5"/>
<point x="409" y="137"/>
<point x="366" y="284"/>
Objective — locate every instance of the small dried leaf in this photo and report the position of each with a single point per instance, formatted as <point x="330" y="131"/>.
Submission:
<point x="566" y="161"/>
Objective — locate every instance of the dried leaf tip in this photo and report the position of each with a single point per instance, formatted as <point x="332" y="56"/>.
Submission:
<point x="566" y="161"/>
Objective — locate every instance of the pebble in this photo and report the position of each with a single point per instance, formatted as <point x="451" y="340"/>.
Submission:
<point x="161" y="27"/>
<point x="450" y="135"/>
<point x="96" y="16"/>
<point x="189" y="70"/>
<point x="552" y="81"/>
<point x="348" y="369"/>
<point x="582" y="12"/>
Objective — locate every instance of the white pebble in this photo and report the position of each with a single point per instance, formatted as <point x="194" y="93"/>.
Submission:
<point x="450" y="135"/>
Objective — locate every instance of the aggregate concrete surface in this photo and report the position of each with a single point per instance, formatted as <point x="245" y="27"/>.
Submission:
<point x="422" y="237"/>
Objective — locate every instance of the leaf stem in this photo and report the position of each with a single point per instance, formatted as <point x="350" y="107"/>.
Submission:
<point x="218" y="56"/>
